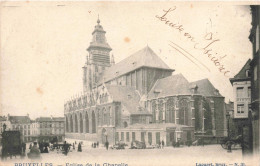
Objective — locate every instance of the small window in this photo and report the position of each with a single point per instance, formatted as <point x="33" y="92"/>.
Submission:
<point x="127" y="136"/>
<point x="240" y="108"/>
<point x="133" y="136"/>
<point x="248" y="73"/>
<point x="240" y="92"/>
<point x="122" y="136"/>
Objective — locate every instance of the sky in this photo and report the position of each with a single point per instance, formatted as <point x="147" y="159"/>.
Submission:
<point x="43" y="45"/>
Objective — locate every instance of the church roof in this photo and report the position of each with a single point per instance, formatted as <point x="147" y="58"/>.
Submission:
<point x="206" y="88"/>
<point x="43" y="119"/>
<point x="128" y="97"/>
<point x="143" y="58"/>
<point x="172" y="85"/>
<point x="241" y="75"/>
<point x="179" y="85"/>
<point x="19" y="119"/>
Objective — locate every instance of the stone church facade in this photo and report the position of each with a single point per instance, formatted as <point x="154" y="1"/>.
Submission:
<point x="139" y="99"/>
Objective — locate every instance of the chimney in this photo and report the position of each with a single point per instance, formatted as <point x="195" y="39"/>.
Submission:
<point x="8" y="116"/>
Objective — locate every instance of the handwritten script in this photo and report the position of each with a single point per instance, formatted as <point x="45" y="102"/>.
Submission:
<point x="206" y="49"/>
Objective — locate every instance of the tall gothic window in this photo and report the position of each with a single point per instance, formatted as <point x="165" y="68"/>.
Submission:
<point x="170" y="111"/>
<point x="154" y="111"/>
<point x="160" y="109"/>
<point x="183" y="112"/>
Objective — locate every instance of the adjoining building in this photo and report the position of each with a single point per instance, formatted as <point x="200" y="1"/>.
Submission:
<point x="22" y="124"/>
<point x="255" y="79"/>
<point x="48" y="128"/>
<point x="139" y="99"/>
<point x="242" y="106"/>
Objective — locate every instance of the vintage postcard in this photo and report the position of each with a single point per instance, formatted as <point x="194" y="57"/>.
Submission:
<point x="95" y="83"/>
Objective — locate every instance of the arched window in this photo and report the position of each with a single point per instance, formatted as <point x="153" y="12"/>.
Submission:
<point x="71" y="124"/>
<point x="67" y="124"/>
<point x="170" y="117"/>
<point x="76" y="124"/>
<point x="117" y="116"/>
<point x="154" y="111"/>
<point x="183" y="112"/>
<point x="81" y="123"/>
<point x="93" y="122"/>
<point x="87" y="122"/>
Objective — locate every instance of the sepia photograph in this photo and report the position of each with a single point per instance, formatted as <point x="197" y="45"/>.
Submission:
<point x="120" y="83"/>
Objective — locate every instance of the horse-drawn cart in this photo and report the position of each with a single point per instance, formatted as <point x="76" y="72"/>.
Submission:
<point x="234" y="142"/>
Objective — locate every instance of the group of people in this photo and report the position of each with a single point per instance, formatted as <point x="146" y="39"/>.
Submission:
<point x="34" y="151"/>
<point x="161" y="144"/>
<point x="95" y="145"/>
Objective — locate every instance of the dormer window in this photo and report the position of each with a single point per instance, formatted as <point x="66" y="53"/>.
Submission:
<point x="248" y="73"/>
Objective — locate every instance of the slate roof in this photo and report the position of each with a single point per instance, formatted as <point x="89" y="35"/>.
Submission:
<point x="128" y="97"/>
<point x="58" y="119"/>
<point x="49" y="119"/>
<point x="43" y="119"/>
<point x="241" y="75"/>
<point x="2" y="118"/>
<point x="172" y="85"/>
<point x="206" y="88"/>
<point x="179" y="85"/>
<point x="143" y="58"/>
<point x="19" y="119"/>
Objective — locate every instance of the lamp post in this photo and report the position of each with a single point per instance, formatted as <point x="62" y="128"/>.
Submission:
<point x="228" y="143"/>
<point x="228" y="117"/>
<point x="4" y="126"/>
<point x="105" y="135"/>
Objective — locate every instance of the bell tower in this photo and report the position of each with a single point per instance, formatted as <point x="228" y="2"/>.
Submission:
<point x="98" y="59"/>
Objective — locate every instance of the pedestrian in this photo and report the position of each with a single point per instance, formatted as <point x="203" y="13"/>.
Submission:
<point x="66" y="148"/>
<point x="73" y="145"/>
<point x="41" y="147"/>
<point x="45" y="150"/>
<point x="34" y="152"/>
<point x="24" y="147"/>
<point x="107" y="144"/>
<point x="30" y="146"/>
<point x="162" y="143"/>
<point x="79" y="148"/>
<point x="97" y="144"/>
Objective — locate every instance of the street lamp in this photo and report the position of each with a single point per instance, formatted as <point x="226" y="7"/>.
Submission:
<point x="105" y="135"/>
<point x="4" y="126"/>
<point x="228" y="117"/>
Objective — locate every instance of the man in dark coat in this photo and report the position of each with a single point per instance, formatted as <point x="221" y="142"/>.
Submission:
<point x="162" y="143"/>
<point x="107" y="145"/>
<point x="79" y="147"/>
<point x="66" y="148"/>
<point x="34" y="152"/>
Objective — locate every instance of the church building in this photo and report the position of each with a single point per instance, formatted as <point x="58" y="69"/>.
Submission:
<point x="140" y="99"/>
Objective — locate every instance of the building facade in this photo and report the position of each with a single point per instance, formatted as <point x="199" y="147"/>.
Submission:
<point x="22" y="124"/>
<point x="47" y="128"/>
<point x="242" y="106"/>
<point x="139" y="99"/>
<point x="255" y="81"/>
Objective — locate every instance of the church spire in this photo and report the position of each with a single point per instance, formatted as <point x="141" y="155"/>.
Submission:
<point x="112" y="61"/>
<point x="98" y="21"/>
